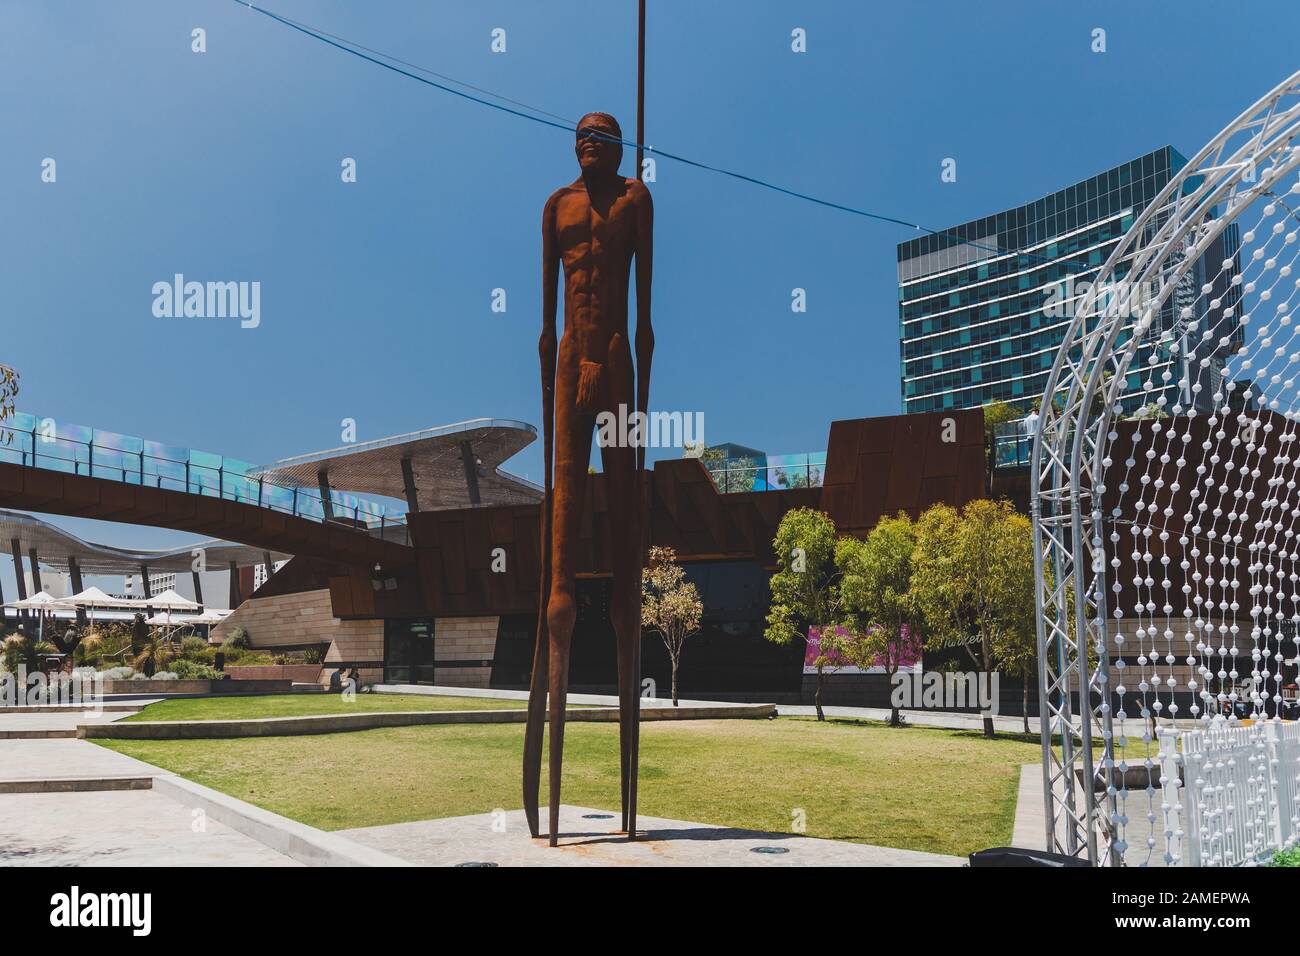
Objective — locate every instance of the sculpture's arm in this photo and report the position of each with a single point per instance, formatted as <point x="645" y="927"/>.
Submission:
<point x="546" y="345"/>
<point x="645" y="336"/>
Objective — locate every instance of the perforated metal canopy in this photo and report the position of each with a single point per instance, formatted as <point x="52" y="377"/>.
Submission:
<point x="54" y="547"/>
<point x="451" y="466"/>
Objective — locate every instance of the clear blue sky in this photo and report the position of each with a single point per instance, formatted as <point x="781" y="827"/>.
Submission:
<point x="376" y="295"/>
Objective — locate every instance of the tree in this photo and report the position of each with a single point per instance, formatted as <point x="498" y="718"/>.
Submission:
<point x="996" y="414"/>
<point x="1151" y="410"/>
<point x="8" y="392"/>
<point x="805" y="591"/>
<point x="973" y="580"/>
<point x="669" y="604"/>
<point x="153" y="655"/>
<point x="881" y="615"/>
<point x="1017" y="651"/>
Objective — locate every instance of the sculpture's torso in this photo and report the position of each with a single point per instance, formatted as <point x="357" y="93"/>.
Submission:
<point x="596" y="238"/>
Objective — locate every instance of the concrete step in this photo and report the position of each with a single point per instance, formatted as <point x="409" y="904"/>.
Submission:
<point x="76" y="784"/>
<point x="67" y="709"/>
<point x="35" y="734"/>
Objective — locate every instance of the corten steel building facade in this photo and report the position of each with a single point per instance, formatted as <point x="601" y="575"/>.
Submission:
<point x="463" y="610"/>
<point x="444" y="589"/>
<point x="978" y="324"/>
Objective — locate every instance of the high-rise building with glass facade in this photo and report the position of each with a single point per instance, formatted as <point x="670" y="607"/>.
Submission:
<point x="983" y="306"/>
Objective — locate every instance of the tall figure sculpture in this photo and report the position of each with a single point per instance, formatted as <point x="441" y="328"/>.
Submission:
<point x="594" y="227"/>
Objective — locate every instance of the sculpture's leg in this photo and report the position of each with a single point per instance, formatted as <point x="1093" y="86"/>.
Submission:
<point x="561" y="632"/>
<point x="537" y="695"/>
<point x="572" y="452"/>
<point x="625" y="606"/>
<point x="624" y="729"/>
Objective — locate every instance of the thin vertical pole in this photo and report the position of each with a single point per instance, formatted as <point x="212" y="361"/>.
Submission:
<point x="640" y="89"/>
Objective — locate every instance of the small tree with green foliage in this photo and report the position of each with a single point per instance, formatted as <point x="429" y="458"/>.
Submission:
<point x="996" y="414"/>
<point x="881" y="615"/>
<point x="973" y="579"/>
<point x="805" y="589"/>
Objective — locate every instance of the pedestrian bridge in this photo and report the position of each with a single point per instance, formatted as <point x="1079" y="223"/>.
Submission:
<point x="56" y="468"/>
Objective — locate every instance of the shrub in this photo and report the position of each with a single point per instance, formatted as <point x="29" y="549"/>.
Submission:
<point x="194" y="670"/>
<point x="237" y="639"/>
<point x="164" y="675"/>
<point x="118" y="673"/>
<point x="193" y="647"/>
<point x="15" y="652"/>
<point x="1286" y="857"/>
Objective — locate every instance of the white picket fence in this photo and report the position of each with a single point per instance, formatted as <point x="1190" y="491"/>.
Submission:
<point x="1230" y="795"/>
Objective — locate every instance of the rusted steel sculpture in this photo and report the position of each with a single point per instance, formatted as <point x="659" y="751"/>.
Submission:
<point x="594" y="227"/>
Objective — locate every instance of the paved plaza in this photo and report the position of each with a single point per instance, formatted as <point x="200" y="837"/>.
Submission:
<point x="590" y="837"/>
<point x="119" y="828"/>
<point x="65" y="803"/>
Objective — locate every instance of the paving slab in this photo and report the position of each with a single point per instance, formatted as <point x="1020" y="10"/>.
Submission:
<point x="590" y="838"/>
<point x="61" y="759"/>
<point x="119" y="828"/>
<point x="46" y="723"/>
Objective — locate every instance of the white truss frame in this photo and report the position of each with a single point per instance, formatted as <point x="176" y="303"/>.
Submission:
<point x="1069" y="460"/>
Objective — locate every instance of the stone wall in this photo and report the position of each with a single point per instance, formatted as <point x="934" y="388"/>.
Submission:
<point x="306" y="617"/>
<point x="296" y="673"/>
<point x="465" y="639"/>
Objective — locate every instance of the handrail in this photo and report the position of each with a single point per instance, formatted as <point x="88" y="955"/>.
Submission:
<point x="127" y="460"/>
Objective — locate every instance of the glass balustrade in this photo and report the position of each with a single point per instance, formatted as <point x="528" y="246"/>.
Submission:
<point x="46" y="443"/>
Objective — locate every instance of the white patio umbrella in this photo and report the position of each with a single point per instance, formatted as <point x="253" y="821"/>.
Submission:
<point x="168" y="601"/>
<point x="41" y="602"/>
<point x="212" y="615"/>
<point x="93" y="597"/>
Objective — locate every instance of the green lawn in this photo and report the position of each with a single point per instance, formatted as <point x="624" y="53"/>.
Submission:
<point x="944" y="791"/>
<point x="305" y="705"/>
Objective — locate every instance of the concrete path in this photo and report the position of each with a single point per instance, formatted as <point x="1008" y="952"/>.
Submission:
<point x="502" y="838"/>
<point x="36" y="759"/>
<point x="1143" y="834"/>
<point x="917" y="718"/>
<point x="572" y="700"/>
<point x="119" y="828"/>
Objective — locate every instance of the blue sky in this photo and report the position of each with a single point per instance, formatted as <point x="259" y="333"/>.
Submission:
<point x="376" y="295"/>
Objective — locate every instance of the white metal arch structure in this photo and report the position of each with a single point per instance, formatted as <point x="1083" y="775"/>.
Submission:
<point x="1158" y="538"/>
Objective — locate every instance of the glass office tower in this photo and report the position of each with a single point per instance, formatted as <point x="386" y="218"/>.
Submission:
<point x="979" y="325"/>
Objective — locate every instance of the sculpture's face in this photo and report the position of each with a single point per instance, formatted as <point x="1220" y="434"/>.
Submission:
<point x="598" y="147"/>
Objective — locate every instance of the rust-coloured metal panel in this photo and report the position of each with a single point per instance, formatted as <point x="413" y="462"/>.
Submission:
<point x="971" y="470"/>
<point x="341" y="596"/>
<point x="451" y="540"/>
<point x="941" y="456"/>
<point x="935" y="491"/>
<point x="44" y="486"/>
<point x="842" y="450"/>
<point x="869" y="492"/>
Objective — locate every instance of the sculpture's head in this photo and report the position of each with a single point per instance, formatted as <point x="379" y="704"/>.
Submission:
<point x="599" y="147"/>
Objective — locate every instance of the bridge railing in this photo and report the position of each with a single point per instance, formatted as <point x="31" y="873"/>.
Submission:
<point x="78" y="450"/>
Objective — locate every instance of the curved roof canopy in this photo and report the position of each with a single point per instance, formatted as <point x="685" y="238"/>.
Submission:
<point x="54" y="547"/>
<point x="452" y="466"/>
